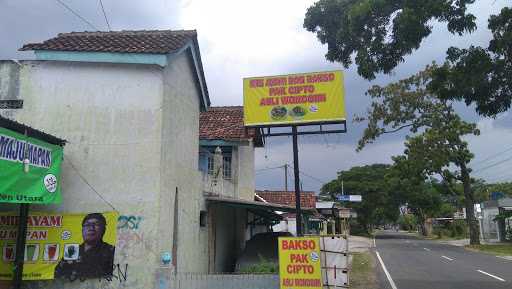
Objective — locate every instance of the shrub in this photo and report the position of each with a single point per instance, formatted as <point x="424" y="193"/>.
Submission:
<point x="408" y="222"/>
<point x="357" y="229"/>
<point x="264" y="266"/>
<point x="456" y="229"/>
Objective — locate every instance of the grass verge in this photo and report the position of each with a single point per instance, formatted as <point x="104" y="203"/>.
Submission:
<point x="443" y="238"/>
<point x="363" y="274"/>
<point x="498" y="249"/>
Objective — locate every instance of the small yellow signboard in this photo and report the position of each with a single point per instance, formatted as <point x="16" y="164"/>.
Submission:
<point x="305" y="98"/>
<point x="299" y="263"/>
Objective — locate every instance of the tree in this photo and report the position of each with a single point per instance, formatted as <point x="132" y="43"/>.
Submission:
<point x="478" y="75"/>
<point x="505" y="188"/>
<point x="409" y="180"/>
<point x="380" y="33"/>
<point x="377" y="205"/>
<point x="436" y="132"/>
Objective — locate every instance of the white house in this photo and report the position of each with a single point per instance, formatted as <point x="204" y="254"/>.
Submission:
<point x="128" y="103"/>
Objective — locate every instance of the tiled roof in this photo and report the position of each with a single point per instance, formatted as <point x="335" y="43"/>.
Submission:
<point x="225" y="123"/>
<point x="142" y="41"/>
<point x="307" y="199"/>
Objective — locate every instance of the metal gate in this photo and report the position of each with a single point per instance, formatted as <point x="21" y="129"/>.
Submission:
<point x="225" y="281"/>
<point x="335" y="261"/>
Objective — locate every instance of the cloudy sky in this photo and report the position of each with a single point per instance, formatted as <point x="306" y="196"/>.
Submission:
<point x="255" y="38"/>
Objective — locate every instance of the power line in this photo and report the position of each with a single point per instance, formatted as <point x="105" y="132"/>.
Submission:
<point x="105" y="15"/>
<point x="89" y="185"/>
<point x="313" y="178"/>
<point x="266" y="169"/>
<point x="493" y="156"/>
<point x="496" y="177"/>
<point x="77" y="15"/>
<point x="493" y="165"/>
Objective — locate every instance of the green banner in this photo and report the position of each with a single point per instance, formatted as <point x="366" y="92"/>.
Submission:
<point x="41" y="184"/>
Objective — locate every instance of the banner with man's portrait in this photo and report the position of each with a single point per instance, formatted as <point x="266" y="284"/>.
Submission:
<point x="73" y="246"/>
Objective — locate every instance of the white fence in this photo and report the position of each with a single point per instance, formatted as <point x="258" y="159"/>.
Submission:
<point x="335" y="261"/>
<point x="225" y="281"/>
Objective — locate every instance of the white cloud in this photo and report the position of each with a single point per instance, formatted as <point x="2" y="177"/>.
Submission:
<point x="241" y="39"/>
<point x="493" y="151"/>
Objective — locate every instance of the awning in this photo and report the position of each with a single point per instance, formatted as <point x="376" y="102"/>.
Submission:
<point x="266" y="210"/>
<point x="22" y="129"/>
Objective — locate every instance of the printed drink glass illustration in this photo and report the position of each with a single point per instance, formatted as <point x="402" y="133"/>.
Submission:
<point x="71" y="251"/>
<point x="9" y="253"/>
<point x="31" y="250"/>
<point x="52" y="250"/>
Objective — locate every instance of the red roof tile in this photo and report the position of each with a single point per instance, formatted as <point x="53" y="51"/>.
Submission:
<point x="307" y="199"/>
<point x="142" y="41"/>
<point x="225" y="123"/>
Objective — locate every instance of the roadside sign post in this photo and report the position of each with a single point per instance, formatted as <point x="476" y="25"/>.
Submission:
<point x="306" y="99"/>
<point x="298" y="216"/>
<point x="21" y="240"/>
<point x="350" y="198"/>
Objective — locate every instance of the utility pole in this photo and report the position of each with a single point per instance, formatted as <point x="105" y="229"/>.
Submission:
<point x="285" y="177"/>
<point x="298" y="216"/>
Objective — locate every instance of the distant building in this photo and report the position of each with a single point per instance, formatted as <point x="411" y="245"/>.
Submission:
<point x="222" y="128"/>
<point x="335" y="216"/>
<point x="492" y="230"/>
<point x="226" y="162"/>
<point x="312" y="220"/>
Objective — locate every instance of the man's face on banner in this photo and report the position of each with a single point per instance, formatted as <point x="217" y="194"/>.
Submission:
<point x="92" y="231"/>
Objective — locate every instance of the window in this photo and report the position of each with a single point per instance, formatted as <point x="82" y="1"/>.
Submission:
<point x="210" y="164"/>
<point x="207" y="161"/>
<point x="203" y="218"/>
<point x="227" y="167"/>
<point x="227" y="171"/>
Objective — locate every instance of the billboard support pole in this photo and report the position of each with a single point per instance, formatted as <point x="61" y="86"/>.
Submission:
<point x="21" y="239"/>
<point x="298" y="216"/>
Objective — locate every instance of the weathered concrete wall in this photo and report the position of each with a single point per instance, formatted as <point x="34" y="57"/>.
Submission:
<point x="110" y="115"/>
<point x="242" y="184"/>
<point x="9" y="80"/>
<point x="245" y="171"/>
<point x="9" y="84"/>
<point x="132" y="144"/>
<point x="180" y="153"/>
<point x="229" y="236"/>
<point x="488" y="227"/>
<point x="218" y="185"/>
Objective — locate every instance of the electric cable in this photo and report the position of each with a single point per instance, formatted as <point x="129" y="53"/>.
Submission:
<point x="105" y="15"/>
<point x="77" y="15"/>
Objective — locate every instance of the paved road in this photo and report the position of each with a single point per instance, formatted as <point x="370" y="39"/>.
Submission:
<point x="421" y="264"/>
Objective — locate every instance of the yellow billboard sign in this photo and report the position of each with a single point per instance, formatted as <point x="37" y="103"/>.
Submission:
<point x="299" y="263"/>
<point x="71" y="246"/>
<point x="294" y="99"/>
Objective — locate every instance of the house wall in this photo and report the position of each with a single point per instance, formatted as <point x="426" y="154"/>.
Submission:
<point x="132" y="139"/>
<point x="228" y="240"/>
<point x="286" y="225"/>
<point x="242" y="183"/>
<point x="488" y="227"/>
<point x="111" y="117"/>
<point x="245" y="171"/>
<point x="180" y="152"/>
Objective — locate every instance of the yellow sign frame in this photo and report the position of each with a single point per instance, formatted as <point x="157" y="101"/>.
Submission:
<point x="47" y="231"/>
<point x="299" y="263"/>
<point x="294" y="99"/>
